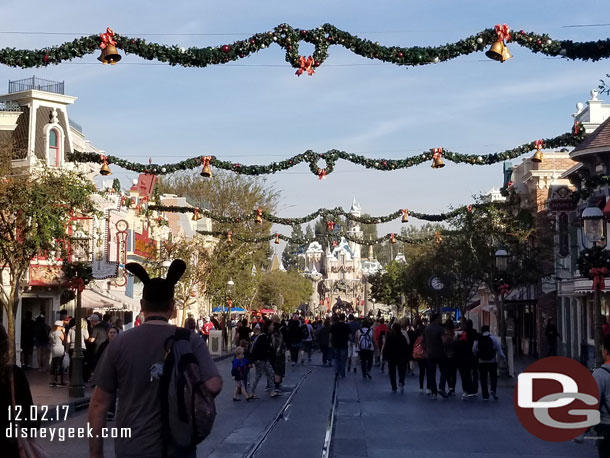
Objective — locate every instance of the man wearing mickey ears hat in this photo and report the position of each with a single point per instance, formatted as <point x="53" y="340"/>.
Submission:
<point x="132" y="365"/>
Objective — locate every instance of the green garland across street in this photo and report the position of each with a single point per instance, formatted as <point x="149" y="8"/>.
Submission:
<point x="329" y="159"/>
<point x="335" y="235"/>
<point x="328" y="214"/>
<point x="289" y="39"/>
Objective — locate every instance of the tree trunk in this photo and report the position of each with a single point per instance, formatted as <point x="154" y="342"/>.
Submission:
<point x="11" y="332"/>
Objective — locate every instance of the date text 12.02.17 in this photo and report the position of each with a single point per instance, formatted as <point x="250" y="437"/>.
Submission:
<point x="38" y="413"/>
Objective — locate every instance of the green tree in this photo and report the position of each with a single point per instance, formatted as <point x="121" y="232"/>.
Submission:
<point x="292" y="255"/>
<point x="230" y="195"/>
<point x="286" y="290"/>
<point x="35" y="212"/>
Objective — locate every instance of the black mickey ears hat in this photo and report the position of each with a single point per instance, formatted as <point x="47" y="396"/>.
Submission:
<point x="158" y="289"/>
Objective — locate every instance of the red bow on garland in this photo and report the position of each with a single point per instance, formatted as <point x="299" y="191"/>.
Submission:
<point x="503" y="32"/>
<point x="437" y="153"/>
<point x="598" y="274"/>
<point x="77" y="284"/>
<point x="330" y="225"/>
<point x="321" y="174"/>
<point x="305" y="65"/>
<point x="504" y="288"/>
<point x="107" y="38"/>
<point x="437" y="237"/>
<point x="469" y="208"/>
<point x="538" y="144"/>
<point x="576" y="128"/>
<point x="205" y="160"/>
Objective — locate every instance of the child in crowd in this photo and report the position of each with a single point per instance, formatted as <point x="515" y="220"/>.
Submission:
<point x="239" y="372"/>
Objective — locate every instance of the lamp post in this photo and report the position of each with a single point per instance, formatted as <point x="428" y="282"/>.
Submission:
<point x="373" y="301"/>
<point x="77" y="382"/>
<point x="593" y="230"/>
<point x="230" y="286"/>
<point x="501" y="256"/>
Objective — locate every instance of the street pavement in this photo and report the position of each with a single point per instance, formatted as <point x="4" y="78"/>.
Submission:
<point x="370" y="421"/>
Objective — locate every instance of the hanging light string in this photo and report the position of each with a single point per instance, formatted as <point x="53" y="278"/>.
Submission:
<point x="322" y="164"/>
<point x="321" y="38"/>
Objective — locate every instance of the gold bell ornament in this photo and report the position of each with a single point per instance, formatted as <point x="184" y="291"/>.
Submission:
<point x="437" y="161"/>
<point x="277" y="239"/>
<point x="105" y="170"/>
<point x="196" y="215"/>
<point x="259" y="216"/>
<point x="392" y="238"/>
<point x="109" y="53"/>
<point x="498" y="50"/>
<point x="538" y="154"/>
<point x="405" y="216"/>
<point x="206" y="171"/>
<point x="229" y="237"/>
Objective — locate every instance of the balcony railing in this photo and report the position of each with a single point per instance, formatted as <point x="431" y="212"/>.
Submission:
<point x="34" y="83"/>
<point x="9" y="106"/>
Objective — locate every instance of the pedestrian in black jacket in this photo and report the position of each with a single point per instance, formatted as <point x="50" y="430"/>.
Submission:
<point x="396" y="353"/>
<point x="324" y="342"/>
<point x="466" y="361"/>
<point x="433" y="339"/>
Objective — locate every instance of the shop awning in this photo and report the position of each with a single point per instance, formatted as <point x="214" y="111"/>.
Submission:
<point x="94" y="300"/>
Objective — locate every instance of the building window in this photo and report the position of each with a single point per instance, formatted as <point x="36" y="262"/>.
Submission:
<point x="54" y="158"/>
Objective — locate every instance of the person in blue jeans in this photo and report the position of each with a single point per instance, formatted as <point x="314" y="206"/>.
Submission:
<point x="339" y="337"/>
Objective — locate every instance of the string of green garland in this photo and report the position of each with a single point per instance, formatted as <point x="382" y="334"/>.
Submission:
<point x="593" y="258"/>
<point x="307" y="240"/>
<point x="329" y="158"/>
<point x="589" y="184"/>
<point x="328" y="214"/>
<point x="289" y="39"/>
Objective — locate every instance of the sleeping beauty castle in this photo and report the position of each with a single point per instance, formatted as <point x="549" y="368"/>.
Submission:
<point x="339" y="272"/>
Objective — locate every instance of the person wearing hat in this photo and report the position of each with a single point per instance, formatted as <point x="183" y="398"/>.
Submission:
<point x="132" y="364"/>
<point x="97" y="337"/>
<point x="57" y="338"/>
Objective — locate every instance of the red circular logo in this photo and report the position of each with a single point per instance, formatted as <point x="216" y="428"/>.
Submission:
<point x="556" y="399"/>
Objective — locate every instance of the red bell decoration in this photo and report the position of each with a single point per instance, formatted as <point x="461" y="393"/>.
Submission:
<point x="259" y="216"/>
<point x="277" y="239"/>
<point x="229" y="237"/>
<point x="405" y="215"/>
<point x="206" y="171"/>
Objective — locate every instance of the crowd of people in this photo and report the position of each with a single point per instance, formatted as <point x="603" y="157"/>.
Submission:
<point x="54" y="346"/>
<point x="263" y="347"/>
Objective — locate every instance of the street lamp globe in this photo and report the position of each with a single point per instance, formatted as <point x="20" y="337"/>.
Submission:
<point x="593" y="224"/>
<point x="501" y="260"/>
<point x="166" y="264"/>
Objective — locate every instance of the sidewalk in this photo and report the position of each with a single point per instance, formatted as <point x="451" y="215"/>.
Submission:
<point x="43" y="394"/>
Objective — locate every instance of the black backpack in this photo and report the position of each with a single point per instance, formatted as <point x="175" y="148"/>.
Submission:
<point x="187" y="408"/>
<point x="305" y="332"/>
<point x="486" y="350"/>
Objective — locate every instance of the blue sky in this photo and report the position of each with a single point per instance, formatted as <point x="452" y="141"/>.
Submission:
<point x="256" y="113"/>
